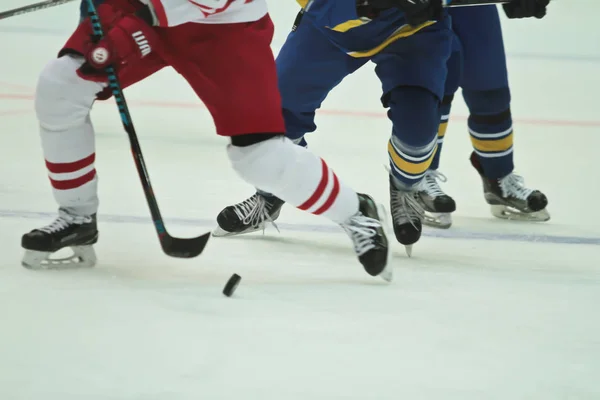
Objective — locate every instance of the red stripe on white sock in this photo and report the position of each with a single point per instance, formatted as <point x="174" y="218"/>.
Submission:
<point x="63" y="168"/>
<point x="319" y="190"/>
<point x="322" y="192"/>
<point x="73" y="183"/>
<point x="335" y="191"/>
<point x="71" y="175"/>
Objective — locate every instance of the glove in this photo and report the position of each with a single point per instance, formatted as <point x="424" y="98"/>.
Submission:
<point x="416" y="11"/>
<point x="128" y="38"/>
<point x="526" y="8"/>
<point x="126" y="42"/>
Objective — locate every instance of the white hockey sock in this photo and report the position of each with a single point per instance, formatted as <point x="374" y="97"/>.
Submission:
<point x="62" y="103"/>
<point x="296" y="176"/>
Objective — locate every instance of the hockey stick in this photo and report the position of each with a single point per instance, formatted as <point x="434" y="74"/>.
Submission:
<point x="464" y="3"/>
<point x="172" y="246"/>
<point x="51" y="3"/>
<point x="445" y="3"/>
<point x="32" y="7"/>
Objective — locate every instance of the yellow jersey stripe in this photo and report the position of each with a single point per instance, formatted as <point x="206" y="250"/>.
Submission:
<point x="402" y="32"/>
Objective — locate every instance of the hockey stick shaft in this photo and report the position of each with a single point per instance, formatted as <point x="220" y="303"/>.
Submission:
<point x="175" y="247"/>
<point x="445" y="3"/>
<point x="463" y="3"/>
<point x="33" y="7"/>
<point x="52" y="3"/>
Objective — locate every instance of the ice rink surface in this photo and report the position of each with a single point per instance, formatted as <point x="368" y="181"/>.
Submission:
<point x="486" y="310"/>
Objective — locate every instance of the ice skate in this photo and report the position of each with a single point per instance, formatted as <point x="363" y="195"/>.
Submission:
<point x="510" y="199"/>
<point x="76" y="232"/>
<point x="437" y="205"/>
<point x="407" y="215"/>
<point x="367" y="229"/>
<point x="251" y="215"/>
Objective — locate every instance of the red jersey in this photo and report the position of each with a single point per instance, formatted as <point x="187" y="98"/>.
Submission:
<point x="177" y="12"/>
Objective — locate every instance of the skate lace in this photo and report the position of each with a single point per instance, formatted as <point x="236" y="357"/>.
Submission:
<point x="63" y="221"/>
<point x="253" y="211"/>
<point x="430" y="183"/>
<point x="405" y="208"/>
<point x="362" y="230"/>
<point x="514" y="185"/>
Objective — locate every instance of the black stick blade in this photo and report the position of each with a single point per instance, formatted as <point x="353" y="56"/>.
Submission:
<point x="183" y="248"/>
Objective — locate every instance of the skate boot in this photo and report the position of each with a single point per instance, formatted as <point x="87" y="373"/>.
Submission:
<point x="251" y="215"/>
<point x="76" y="232"/>
<point x="367" y="231"/>
<point x="510" y="199"/>
<point x="407" y="215"/>
<point x="438" y="205"/>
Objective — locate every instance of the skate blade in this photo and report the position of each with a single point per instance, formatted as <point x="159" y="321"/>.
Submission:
<point x="220" y="232"/>
<point x="408" y="250"/>
<point x="388" y="271"/>
<point x="82" y="257"/>
<point x="437" y="220"/>
<point x="512" y="214"/>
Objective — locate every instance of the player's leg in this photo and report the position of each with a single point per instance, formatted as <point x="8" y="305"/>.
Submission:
<point x="437" y="204"/>
<point x="245" y="104"/>
<point x="413" y="71"/>
<point x="65" y="93"/>
<point x="487" y="94"/>
<point x="308" y="68"/>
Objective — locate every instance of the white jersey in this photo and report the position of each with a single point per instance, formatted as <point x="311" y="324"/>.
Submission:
<point x="177" y="12"/>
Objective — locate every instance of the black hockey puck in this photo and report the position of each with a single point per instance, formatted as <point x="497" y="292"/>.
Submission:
<point x="231" y="285"/>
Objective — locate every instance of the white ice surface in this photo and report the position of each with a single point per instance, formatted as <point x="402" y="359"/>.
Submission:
<point x="486" y="310"/>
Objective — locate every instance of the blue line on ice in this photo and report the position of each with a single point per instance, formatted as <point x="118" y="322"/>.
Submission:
<point x="446" y="234"/>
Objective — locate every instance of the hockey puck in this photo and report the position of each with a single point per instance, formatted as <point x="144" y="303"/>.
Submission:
<point x="231" y="285"/>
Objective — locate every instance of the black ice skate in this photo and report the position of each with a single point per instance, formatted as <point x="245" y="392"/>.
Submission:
<point x="367" y="231"/>
<point x="407" y="216"/>
<point x="76" y="232"/>
<point x="510" y="199"/>
<point x="251" y="215"/>
<point x="437" y="204"/>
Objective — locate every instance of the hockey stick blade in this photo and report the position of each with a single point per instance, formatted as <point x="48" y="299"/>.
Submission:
<point x="183" y="248"/>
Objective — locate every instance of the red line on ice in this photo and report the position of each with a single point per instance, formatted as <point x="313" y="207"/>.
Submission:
<point x="333" y="112"/>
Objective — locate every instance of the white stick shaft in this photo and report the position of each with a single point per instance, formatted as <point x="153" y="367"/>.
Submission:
<point x="32" y="8"/>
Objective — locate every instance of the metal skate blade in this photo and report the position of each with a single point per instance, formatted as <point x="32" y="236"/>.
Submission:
<point x="388" y="272"/>
<point x="408" y="250"/>
<point x="437" y="220"/>
<point x="220" y="232"/>
<point x="512" y="214"/>
<point x="82" y="257"/>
